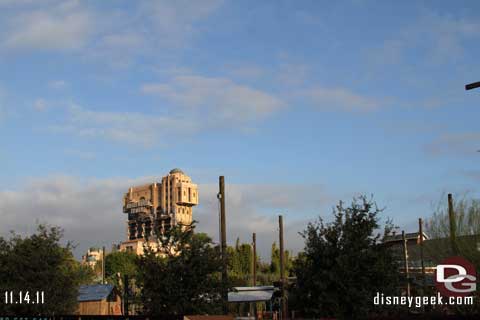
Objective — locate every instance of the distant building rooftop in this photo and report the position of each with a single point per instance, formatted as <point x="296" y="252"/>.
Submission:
<point x="408" y="236"/>
<point x="176" y="170"/>
<point x="94" y="292"/>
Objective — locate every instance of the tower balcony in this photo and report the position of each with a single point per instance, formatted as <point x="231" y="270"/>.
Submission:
<point x="187" y="194"/>
<point x="139" y="211"/>
<point x="187" y="203"/>
<point x="139" y="204"/>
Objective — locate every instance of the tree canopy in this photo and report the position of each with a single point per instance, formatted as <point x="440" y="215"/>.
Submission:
<point x="183" y="277"/>
<point x="467" y="217"/>
<point x="121" y="263"/>
<point x="40" y="263"/>
<point x="343" y="264"/>
<point x="467" y="225"/>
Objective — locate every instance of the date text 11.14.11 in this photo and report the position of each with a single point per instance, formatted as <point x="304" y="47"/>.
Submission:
<point x="24" y="297"/>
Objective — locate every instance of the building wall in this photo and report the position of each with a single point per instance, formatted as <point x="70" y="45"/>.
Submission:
<point x="158" y="206"/>
<point x="137" y="246"/>
<point x="100" y="307"/>
<point x="90" y="308"/>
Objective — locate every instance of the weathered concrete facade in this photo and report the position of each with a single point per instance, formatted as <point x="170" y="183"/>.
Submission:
<point x="158" y="206"/>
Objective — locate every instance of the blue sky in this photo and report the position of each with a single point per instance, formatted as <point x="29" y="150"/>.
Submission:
<point x="298" y="103"/>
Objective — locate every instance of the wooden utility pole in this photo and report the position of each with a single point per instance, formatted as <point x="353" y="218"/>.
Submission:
<point x="223" y="231"/>
<point x="453" y="225"/>
<point x="254" y="271"/>
<point x="254" y="244"/>
<point x="103" y="265"/>
<point x="405" y="257"/>
<point x="420" y="232"/>
<point x="282" y="269"/>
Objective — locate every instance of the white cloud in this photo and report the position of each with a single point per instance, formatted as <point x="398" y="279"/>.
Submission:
<point x="124" y="127"/>
<point x="200" y="104"/>
<point x="57" y="84"/>
<point x="340" y="99"/>
<point x="219" y="98"/>
<point x="11" y="3"/>
<point x="40" y="105"/>
<point x="65" y="26"/>
<point x="149" y="29"/>
<point x="90" y="210"/>
<point x="174" y="22"/>
<point x="118" y="36"/>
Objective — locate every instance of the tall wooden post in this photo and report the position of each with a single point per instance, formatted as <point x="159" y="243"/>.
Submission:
<point x="453" y="226"/>
<point x="405" y="257"/>
<point x="254" y="243"/>
<point x="282" y="268"/>
<point x="254" y="271"/>
<point x="223" y="231"/>
<point x="103" y="265"/>
<point x="420" y="231"/>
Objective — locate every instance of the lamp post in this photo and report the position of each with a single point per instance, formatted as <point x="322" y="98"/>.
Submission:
<point x="471" y="86"/>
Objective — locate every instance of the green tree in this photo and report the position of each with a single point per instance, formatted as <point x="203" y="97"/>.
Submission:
<point x="40" y="263"/>
<point x="183" y="277"/>
<point x="467" y="225"/>
<point x="120" y="263"/>
<point x="240" y="260"/>
<point x="245" y="257"/>
<point x="467" y="218"/>
<point x="275" y="261"/>
<point x="343" y="265"/>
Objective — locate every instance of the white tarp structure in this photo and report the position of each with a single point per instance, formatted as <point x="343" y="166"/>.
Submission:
<point x="251" y="294"/>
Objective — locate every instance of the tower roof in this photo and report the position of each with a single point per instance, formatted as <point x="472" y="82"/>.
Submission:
<point x="176" y="170"/>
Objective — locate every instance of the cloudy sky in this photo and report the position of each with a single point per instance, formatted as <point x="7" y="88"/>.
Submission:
<point x="298" y="103"/>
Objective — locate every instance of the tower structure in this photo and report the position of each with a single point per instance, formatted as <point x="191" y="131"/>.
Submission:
<point x="158" y="206"/>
